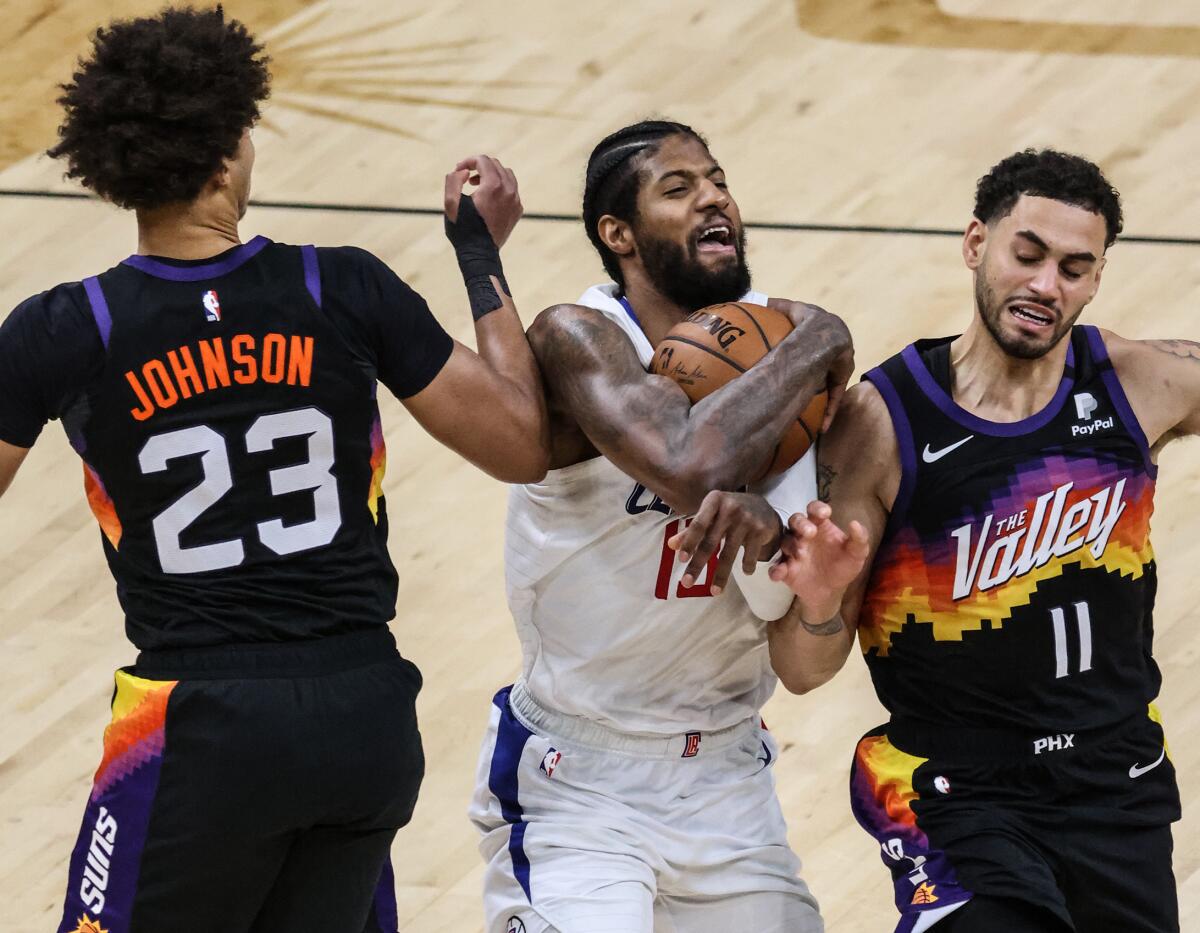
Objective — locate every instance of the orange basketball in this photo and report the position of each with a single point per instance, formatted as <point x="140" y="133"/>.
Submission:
<point x="718" y="343"/>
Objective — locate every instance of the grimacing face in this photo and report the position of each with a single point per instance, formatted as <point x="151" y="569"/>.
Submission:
<point x="1036" y="269"/>
<point x="688" y="232"/>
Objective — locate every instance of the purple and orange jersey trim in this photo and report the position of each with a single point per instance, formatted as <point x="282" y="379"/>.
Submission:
<point x="136" y="734"/>
<point x="922" y="576"/>
<point x="882" y="796"/>
<point x="102" y="506"/>
<point x="378" y="466"/>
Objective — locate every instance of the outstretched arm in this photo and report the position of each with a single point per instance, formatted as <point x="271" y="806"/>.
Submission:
<point x="827" y="565"/>
<point x="11" y="458"/>
<point x="487" y="406"/>
<point x="645" y="424"/>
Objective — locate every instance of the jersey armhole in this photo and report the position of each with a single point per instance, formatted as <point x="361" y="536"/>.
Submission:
<point x="1116" y="392"/>
<point x="99" y="306"/>
<point x="312" y="273"/>
<point x="904" y="441"/>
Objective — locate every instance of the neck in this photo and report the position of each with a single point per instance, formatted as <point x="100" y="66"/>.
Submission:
<point x="194" y="230"/>
<point x="656" y="312"/>
<point x="989" y="383"/>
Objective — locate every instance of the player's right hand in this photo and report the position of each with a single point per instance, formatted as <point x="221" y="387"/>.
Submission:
<point x="731" y="521"/>
<point x="832" y="328"/>
<point x="497" y="199"/>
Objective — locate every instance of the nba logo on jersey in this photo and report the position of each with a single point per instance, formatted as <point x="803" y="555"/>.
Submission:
<point x="515" y="925"/>
<point x="691" y="744"/>
<point x="212" y="306"/>
<point x="550" y="761"/>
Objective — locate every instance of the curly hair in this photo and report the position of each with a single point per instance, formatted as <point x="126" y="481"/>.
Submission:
<point x="1048" y="173"/>
<point x="158" y="106"/>
<point x="612" y="180"/>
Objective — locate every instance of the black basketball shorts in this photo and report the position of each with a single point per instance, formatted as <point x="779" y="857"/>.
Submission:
<point x="252" y="789"/>
<point x="1077" y="823"/>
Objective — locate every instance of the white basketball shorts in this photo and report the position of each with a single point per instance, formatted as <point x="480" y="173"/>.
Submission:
<point x="588" y="830"/>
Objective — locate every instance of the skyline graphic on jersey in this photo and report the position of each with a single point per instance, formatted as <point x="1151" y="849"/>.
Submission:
<point x="102" y="506"/>
<point x="378" y="466"/>
<point x="1054" y="511"/>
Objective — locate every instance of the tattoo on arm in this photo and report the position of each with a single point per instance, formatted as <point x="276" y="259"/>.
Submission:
<point x="832" y="627"/>
<point x="1184" y="349"/>
<point x="825" y="477"/>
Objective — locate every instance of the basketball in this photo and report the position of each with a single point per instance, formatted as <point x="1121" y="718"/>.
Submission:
<point x="720" y="342"/>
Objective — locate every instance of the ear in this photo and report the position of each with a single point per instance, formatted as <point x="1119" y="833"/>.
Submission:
<point x="974" y="241"/>
<point x="617" y="235"/>
<point x="222" y="178"/>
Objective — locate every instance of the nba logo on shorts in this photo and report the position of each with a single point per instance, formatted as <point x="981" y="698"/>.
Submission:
<point x="549" y="763"/>
<point x="691" y="744"/>
<point x="212" y="306"/>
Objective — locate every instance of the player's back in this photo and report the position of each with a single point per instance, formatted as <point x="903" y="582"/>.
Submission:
<point x="1015" y="583"/>
<point x="226" y="417"/>
<point x="608" y="631"/>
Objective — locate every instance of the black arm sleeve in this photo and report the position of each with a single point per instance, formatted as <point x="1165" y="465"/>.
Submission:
<point x="392" y="323"/>
<point x="50" y="348"/>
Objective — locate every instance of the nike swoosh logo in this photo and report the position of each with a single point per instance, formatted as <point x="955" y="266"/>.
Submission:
<point x="1137" y="772"/>
<point x="933" y="456"/>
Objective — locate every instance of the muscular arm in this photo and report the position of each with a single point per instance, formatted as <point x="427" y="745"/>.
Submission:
<point x="11" y="457"/>
<point x="1161" y="379"/>
<point x="489" y="407"/>
<point x="645" y="424"/>
<point x="858" y="475"/>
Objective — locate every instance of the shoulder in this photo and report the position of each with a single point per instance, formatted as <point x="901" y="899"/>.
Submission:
<point x="57" y="310"/>
<point x="570" y="325"/>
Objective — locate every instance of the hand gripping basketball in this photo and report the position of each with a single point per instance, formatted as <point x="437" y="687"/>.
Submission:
<point x="719" y="343"/>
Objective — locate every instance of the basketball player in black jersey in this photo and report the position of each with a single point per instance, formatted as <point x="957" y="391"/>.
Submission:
<point x="1002" y="482"/>
<point x="264" y="749"/>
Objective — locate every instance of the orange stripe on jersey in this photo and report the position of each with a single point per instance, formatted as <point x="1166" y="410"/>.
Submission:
<point x="102" y="506"/>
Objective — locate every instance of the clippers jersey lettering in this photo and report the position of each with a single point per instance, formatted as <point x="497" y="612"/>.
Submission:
<point x="231" y="443"/>
<point x="607" y="630"/>
<point x="1015" y="583"/>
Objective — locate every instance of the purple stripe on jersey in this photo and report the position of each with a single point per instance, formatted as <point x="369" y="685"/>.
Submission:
<point x="908" y="451"/>
<point x="387" y="914"/>
<point x="950" y="408"/>
<point x="1120" y="401"/>
<point x="99" y="308"/>
<point x="209" y="270"/>
<point x="312" y="272"/>
<point x="632" y="314"/>
<point x="511" y="737"/>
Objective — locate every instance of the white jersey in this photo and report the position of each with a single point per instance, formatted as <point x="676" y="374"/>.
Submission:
<point x="607" y="631"/>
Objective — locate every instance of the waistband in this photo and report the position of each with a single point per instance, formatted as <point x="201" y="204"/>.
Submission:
<point x="326" y="655"/>
<point x="593" y="735"/>
<point x="926" y="740"/>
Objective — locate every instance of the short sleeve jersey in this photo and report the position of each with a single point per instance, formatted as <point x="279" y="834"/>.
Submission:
<point x="225" y="413"/>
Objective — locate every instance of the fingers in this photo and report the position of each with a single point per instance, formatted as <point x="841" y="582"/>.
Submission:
<point x="836" y="392"/>
<point x="858" y="541"/>
<point x="729" y="553"/>
<point x="689" y="539"/>
<point x="453" y="191"/>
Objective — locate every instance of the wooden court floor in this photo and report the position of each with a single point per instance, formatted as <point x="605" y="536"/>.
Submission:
<point x="863" y="125"/>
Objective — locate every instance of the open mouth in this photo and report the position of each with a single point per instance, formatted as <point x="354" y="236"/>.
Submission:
<point x="716" y="238"/>
<point x="1032" y="314"/>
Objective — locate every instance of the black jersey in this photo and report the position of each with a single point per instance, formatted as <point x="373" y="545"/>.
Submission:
<point x="225" y="413"/>
<point x="1015" y="581"/>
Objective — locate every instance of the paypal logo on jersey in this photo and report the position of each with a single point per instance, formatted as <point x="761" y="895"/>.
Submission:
<point x="212" y="305"/>
<point x="1085" y="406"/>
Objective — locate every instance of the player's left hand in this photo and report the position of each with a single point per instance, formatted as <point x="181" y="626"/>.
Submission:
<point x="497" y="199"/>
<point x="732" y="521"/>
<point x="820" y="560"/>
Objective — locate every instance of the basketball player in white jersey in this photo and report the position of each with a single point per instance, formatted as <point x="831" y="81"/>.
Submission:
<point x="625" y="782"/>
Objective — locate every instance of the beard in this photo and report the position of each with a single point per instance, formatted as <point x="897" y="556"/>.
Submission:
<point x="678" y="273"/>
<point x="991" y="310"/>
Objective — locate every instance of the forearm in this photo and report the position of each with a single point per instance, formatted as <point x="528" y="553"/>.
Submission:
<point x="730" y="434"/>
<point x="806" y="655"/>
<point x="522" y="405"/>
<point x="11" y="458"/>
